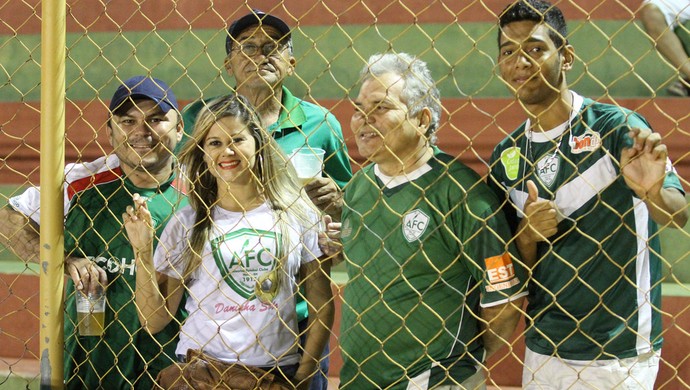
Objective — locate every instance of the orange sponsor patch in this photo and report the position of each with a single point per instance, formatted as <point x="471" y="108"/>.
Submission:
<point x="499" y="268"/>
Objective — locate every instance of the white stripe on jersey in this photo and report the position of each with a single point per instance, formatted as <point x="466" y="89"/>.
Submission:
<point x="573" y="195"/>
<point x="580" y="190"/>
<point x="643" y="279"/>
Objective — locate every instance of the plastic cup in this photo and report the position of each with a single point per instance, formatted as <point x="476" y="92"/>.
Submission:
<point x="308" y="163"/>
<point x="91" y="313"/>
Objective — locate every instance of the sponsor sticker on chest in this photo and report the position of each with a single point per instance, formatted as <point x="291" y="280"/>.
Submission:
<point x="587" y="142"/>
<point x="510" y="159"/>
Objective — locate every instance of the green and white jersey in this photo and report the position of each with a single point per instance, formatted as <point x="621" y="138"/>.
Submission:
<point x="126" y="356"/>
<point x="423" y="253"/>
<point x="596" y="291"/>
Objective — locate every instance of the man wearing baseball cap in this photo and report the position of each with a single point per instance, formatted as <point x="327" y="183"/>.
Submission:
<point x="144" y="126"/>
<point x="260" y="57"/>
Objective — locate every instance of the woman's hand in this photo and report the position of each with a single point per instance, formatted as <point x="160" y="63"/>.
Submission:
<point x="139" y="225"/>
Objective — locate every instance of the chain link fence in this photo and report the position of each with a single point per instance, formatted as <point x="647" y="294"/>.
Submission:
<point x="183" y="43"/>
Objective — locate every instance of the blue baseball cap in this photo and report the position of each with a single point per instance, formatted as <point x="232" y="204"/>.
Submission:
<point x="144" y="87"/>
<point x="256" y="17"/>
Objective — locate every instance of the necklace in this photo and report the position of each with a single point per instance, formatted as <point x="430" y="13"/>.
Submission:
<point x="530" y="156"/>
<point x="548" y="160"/>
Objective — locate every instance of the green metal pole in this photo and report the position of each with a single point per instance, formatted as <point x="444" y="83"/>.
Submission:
<point x="52" y="214"/>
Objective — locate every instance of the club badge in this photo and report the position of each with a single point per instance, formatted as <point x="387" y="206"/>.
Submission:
<point x="414" y="224"/>
<point x="547" y="169"/>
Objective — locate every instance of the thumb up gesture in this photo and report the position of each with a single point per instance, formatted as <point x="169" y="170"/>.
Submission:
<point x="541" y="217"/>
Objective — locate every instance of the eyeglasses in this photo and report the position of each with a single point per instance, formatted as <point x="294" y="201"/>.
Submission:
<point x="269" y="49"/>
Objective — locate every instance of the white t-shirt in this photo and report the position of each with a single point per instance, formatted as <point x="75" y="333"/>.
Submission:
<point x="226" y="320"/>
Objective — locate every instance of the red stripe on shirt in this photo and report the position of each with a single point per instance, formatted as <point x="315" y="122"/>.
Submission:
<point x="85" y="183"/>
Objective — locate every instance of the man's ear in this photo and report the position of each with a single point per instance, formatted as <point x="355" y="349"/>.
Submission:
<point x="293" y="63"/>
<point x="568" y="58"/>
<point x="424" y="119"/>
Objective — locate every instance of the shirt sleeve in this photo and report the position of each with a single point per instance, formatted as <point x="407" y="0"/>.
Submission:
<point x="491" y="254"/>
<point x="310" y="241"/>
<point x="167" y="258"/>
<point x="28" y="203"/>
<point x="495" y="182"/>
<point x="672" y="180"/>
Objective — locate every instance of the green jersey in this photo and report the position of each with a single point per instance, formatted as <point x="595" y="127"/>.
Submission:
<point x="596" y="290"/>
<point x="423" y="253"/>
<point x="126" y="356"/>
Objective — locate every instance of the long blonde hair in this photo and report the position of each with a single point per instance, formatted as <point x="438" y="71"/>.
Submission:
<point x="276" y="178"/>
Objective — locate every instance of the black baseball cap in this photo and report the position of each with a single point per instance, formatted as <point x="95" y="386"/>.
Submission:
<point x="145" y="87"/>
<point x="256" y="17"/>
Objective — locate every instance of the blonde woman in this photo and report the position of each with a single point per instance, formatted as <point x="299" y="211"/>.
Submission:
<point x="236" y="256"/>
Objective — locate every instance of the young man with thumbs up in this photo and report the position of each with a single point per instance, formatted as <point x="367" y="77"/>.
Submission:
<point x="586" y="186"/>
